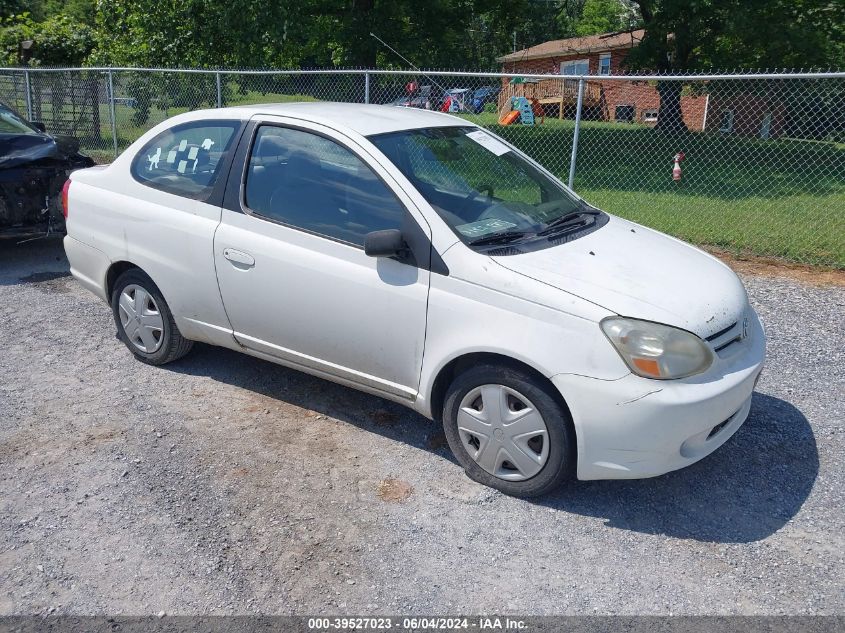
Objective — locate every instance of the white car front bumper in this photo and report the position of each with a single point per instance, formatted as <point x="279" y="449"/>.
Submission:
<point x="634" y="427"/>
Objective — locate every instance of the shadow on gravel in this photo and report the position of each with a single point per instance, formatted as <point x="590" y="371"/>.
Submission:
<point x="32" y="262"/>
<point x="745" y="491"/>
<point x="369" y="413"/>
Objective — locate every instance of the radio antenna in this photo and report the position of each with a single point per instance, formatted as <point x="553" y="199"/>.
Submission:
<point x="406" y="60"/>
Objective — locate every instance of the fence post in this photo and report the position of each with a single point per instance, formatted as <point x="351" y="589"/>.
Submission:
<point x="577" y="130"/>
<point x="219" y="90"/>
<point x="111" y="112"/>
<point x="28" y="86"/>
<point x="367" y="87"/>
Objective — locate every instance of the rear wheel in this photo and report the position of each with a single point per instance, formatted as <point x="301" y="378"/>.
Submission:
<point x="508" y="431"/>
<point x="144" y="321"/>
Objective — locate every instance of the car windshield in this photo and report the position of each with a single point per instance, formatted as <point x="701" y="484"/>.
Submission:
<point x="11" y="123"/>
<point x="480" y="187"/>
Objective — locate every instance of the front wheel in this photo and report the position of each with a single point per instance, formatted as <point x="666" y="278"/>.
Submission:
<point x="144" y="321"/>
<point x="508" y="431"/>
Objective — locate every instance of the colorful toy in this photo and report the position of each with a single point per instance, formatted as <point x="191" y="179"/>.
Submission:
<point x="524" y="110"/>
<point x="509" y="117"/>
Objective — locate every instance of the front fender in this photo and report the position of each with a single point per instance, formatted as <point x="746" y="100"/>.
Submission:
<point x="466" y="318"/>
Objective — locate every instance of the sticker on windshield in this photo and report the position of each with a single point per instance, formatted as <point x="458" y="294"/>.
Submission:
<point x="488" y="142"/>
<point x="484" y="227"/>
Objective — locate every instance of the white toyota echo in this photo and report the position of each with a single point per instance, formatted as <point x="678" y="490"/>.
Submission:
<point x="418" y="257"/>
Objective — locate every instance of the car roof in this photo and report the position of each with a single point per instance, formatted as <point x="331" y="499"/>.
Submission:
<point x="362" y="118"/>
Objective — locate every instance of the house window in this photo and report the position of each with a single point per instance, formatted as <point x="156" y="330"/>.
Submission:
<point x="604" y="64"/>
<point x="727" y="124"/>
<point x="575" y="67"/>
<point x="625" y="113"/>
<point x="650" y="116"/>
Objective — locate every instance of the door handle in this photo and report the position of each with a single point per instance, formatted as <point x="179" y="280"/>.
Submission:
<point x="238" y="257"/>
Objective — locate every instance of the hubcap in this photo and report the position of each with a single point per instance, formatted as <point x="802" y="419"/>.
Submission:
<point x="503" y="432"/>
<point x="141" y="319"/>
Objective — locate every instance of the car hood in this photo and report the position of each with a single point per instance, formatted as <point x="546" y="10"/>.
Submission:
<point x="17" y="150"/>
<point x="637" y="272"/>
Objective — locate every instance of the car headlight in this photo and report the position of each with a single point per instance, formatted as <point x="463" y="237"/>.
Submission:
<point x="653" y="350"/>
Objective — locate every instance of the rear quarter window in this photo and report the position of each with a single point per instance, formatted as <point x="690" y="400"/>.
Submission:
<point x="185" y="160"/>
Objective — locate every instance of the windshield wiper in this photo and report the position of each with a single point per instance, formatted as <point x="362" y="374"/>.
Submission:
<point x="567" y="220"/>
<point x="502" y="237"/>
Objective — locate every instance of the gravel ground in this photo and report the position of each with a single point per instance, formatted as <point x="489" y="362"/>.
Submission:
<point x="223" y="484"/>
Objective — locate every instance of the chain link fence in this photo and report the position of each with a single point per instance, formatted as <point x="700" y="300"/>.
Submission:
<point x="747" y="163"/>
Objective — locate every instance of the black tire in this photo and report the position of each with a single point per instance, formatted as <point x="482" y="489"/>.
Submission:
<point x="172" y="344"/>
<point x="560" y="464"/>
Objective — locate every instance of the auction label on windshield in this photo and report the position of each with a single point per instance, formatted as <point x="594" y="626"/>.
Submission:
<point x="488" y="142"/>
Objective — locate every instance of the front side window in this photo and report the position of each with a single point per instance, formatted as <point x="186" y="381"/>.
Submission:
<point x="484" y="191"/>
<point x="310" y="182"/>
<point x="604" y="64"/>
<point x="184" y="160"/>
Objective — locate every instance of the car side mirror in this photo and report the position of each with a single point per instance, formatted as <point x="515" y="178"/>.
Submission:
<point x="39" y="125"/>
<point x="388" y="243"/>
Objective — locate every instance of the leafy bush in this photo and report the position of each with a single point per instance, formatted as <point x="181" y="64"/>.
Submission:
<point x="58" y="40"/>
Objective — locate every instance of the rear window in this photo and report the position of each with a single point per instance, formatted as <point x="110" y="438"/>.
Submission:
<point x="185" y="159"/>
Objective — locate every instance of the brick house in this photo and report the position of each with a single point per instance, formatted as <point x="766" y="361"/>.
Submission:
<point x="747" y="114"/>
<point x="629" y="101"/>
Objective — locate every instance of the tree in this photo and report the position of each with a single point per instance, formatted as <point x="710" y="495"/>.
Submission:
<point x="58" y="41"/>
<point x="9" y="8"/>
<point x="40" y="10"/>
<point x="317" y="33"/>
<point x="601" y="16"/>
<point x="689" y="35"/>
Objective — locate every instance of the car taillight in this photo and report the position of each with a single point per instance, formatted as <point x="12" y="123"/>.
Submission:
<point x="65" y="191"/>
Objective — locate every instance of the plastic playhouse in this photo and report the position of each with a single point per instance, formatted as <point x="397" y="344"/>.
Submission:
<point x="523" y="109"/>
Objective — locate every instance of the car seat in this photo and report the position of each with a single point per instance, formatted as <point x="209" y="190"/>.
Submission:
<point x="303" y="199"/>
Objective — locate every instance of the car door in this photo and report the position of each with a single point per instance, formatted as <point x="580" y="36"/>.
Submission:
<point x="294" y="278"/>
<point x="161" y="214"/>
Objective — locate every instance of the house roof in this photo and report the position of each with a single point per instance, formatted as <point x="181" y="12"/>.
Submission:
<point x="576" y="46"/>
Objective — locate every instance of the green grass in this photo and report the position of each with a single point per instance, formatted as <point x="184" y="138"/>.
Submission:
<point x="802" y="228"/>
<point x="779" y="197"/>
